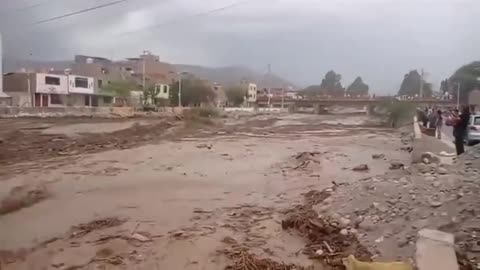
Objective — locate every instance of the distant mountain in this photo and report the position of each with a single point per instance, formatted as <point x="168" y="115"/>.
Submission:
<point x="226" y="76"/>
<point x="233" y="75"/>
<point x="11" y="65"/>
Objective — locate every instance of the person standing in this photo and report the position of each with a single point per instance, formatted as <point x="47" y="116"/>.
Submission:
<point x="460" y="129"/>
<point x="439" y="124"/>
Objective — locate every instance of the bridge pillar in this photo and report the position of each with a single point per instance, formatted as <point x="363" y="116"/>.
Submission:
<point x="320" y="109"/>
<point x="370" y="109"/>
<point x="292" y="108"/>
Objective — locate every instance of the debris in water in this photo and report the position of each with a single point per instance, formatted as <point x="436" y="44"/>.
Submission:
<point x="396" y="165"/>
<point x="378" y="156"/>
<point x="323" y="233"/>
<point x="305" y="159"/>
<point x="204" y="145"/>
<point x="361" y="168"/>
<point x="23" y="196"/>
<point x="98" y="224"/>
<point x="244" y="260"/>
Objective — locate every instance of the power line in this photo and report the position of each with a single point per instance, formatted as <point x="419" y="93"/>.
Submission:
<point x="204" y="13"/>
<point x="79" y="12"/>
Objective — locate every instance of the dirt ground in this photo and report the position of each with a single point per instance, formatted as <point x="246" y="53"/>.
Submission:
<point x="151" y="194"/>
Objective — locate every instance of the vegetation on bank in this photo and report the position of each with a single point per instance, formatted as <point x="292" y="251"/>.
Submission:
<point x="396" y="114"/>
<point x="200" y="116"/>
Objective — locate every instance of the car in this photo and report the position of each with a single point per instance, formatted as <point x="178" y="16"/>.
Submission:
<point x="473" y="130"/>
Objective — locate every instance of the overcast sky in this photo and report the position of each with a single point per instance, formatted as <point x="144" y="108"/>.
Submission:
<point x="379" y="40"/>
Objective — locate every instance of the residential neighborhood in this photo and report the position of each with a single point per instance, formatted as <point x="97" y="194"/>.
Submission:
<point x="93" y="81"/>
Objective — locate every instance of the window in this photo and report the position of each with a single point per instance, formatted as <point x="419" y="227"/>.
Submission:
<point x="165" y="89"/>
<point x="81" y="82"/>
<point x="52" y="80"/>
<point x="476" y="121"/>
<point x="100" y="83"/>
<point x="107" y="100"/>
<point x="55" y="99"/>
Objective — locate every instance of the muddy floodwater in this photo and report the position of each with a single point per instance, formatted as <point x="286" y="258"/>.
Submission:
<point x="181" y="197"/>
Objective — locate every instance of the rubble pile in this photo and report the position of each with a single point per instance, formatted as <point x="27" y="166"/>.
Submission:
<point x="387" y="211"/>
<point x="244" y="260"/>
<point x="328" y="239"/>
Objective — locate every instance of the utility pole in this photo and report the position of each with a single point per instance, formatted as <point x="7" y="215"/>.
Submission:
<point x="1" y="70"/>
<point x="268" y="89"/>
<point x="180" y="91"/>
<point x="143" y="74"/>
<point x="421" y="83"/>
<point x="143" y="70"/>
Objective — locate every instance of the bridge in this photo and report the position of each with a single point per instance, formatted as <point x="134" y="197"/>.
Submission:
<point x="320" y="104"/>
<point x="311" y="102"/>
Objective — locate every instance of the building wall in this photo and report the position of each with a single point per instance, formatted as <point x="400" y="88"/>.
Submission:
<point x="74" y="88"/>
<point x="474" y="97"/>
<point x="18" y="82"/>
<point x="252" y="92"/>
<point x="164" y="90"/>
<point x="20" y="99"/>
<point x="102" y="74"/>
<point x="42" y="86"/>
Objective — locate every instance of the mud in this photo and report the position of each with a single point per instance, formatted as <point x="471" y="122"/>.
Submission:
<point x="180" y="202"/>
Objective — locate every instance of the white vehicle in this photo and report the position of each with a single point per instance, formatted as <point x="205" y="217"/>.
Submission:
<point x="473" y="130"/>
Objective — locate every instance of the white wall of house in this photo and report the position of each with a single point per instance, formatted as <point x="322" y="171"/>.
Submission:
<point x="164" y="90"/>
<point x="252" y="92"/>
<point x="51" y="84"/>
<point x="80" y="84"/>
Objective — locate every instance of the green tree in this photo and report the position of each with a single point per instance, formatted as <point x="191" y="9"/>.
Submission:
<point x="311" y="91"/>
<point x="357" y="88"/>
<point x="467" y="77"/>
<point x="235" y="95"/>
<point x="331" y="84"/>
<point x="411" y="85"/>
<point x="119" y="88"/>
<point x="194" y="92"/>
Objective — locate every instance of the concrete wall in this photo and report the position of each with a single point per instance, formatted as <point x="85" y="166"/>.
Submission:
<point x="66" y="111"/>
<point x="239" y="109"/>
<point x="20" y="99"/>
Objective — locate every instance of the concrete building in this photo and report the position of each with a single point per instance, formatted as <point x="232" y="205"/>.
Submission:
<point x="251" y="92"/>
<point x="50" y="90"/>
<point x="103" y="70"/>
<point x="53" y="90"/>
<point x="474" y="97"/>
<point x="19" y="86"/>
<point x="148" y="64"/>
<point x="81" y="91"/>
<point x="5" y="99"/>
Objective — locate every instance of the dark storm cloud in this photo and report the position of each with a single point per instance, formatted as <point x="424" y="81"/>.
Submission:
<point x="379" y="40"/>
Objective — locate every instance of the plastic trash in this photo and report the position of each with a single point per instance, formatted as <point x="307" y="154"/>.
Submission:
<point x="353" y="264"/>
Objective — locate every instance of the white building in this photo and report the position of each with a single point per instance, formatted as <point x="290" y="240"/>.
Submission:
<point x="50" y="90"/>
<point x="163" y="90"/>
<point x="251" y="92"/>
<point x="81" y="91"/>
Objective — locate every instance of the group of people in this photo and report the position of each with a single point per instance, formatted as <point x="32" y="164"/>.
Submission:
<point x="436" y="118"/>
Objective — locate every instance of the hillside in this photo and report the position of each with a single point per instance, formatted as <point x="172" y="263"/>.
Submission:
<point x="234" y="74"/>
<point x="224" y="75"/>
